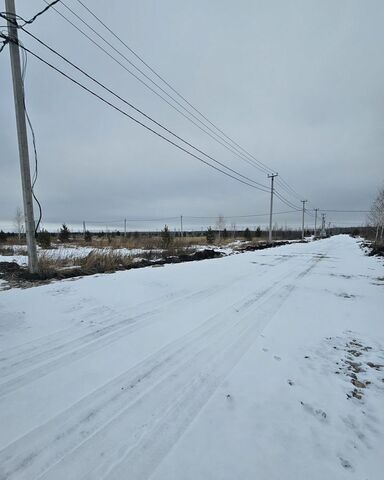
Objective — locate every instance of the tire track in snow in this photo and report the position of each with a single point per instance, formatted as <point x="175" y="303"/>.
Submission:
<point x="64" y="353"/>
<point x="195" y="359"/>
<point x="25" y="352"/>
<point x="80" y="347"/>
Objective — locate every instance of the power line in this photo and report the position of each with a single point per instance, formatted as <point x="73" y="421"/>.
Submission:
<point x="239" y="216"/>
<point x="36" y="171"/>
<point x="186" y="217"/>
<point x="160" y="77"/>
<point x="263" y="167"/>
<point x="6" y="16"/>
<point x="251" y="158"/>
<point x="286" y="201"/>
<point x="263" y="187"/>
<point x="345" y="211"/>
<point x="134" y="119"/>
<point x="230" y="147"/>
<point x="287" y="188"/>
<point x="211" y="132"/>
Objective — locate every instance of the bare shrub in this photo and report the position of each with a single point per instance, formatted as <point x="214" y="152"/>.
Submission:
<point x="104" y="261"/>
<point x="6" y="251"/>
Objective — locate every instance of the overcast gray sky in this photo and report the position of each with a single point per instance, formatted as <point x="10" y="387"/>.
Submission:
<point x="299" y="84"/>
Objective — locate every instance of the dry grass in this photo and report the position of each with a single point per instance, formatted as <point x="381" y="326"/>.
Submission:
<point x="105" y="261"/>
<point x="9" y="251"/>
<point x="6" y="251"/>
<point x="96" y="261"/>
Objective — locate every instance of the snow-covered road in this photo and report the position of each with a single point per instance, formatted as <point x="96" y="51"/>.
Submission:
<point x="232" y="368"/>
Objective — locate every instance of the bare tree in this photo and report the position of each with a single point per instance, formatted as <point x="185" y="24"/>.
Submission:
<point x="233" y="228"/>
<point x="376" y="215"/>
<point x="220" y="224"/>
<point x="19" y="222"/>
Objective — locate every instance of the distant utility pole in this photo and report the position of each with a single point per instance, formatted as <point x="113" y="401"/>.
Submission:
<point x="181" y="225"/>
<point x="18" y="93"/>
<point x="272" y="177"/>
<point x="302" y="225"/>
<point x="125" y="227"/>
<point x="323" y="224"/>
<point x="315" y="231"/>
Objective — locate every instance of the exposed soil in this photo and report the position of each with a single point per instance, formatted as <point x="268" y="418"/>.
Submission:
<point x="19" y="276"/>
<point x="261" y="246"/>
<point x="374" y="249"/>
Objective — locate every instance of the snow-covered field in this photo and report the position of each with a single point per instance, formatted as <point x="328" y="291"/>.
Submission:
<point x="266" y="365"/>
<point x="75" y="252"/>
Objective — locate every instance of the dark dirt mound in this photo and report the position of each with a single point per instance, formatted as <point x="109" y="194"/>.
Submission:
<point x="261" y="246"/>
<point x="18" y="275"/>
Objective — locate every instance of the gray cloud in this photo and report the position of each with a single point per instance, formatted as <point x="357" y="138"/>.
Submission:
<point x="298" y="84"/>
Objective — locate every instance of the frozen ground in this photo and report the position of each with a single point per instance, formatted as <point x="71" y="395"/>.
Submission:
<point x="266" y="365"/>
<point x="76" y="252"/>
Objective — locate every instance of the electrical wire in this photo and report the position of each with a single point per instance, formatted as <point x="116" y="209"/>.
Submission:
<point x="211" y="133"/>
<point x="345" y="211"/>
<point x="135" y="119"/>
<point x="160" y="77"/>
<point x="252" y="158"/>
<point x="240" y="216"/>
<point x="239" y="149"/>
<point x="6" y="40"/>
<point x="263" y="187"/>
<point x="5" y="15"/>
<point x="265" y="168"/>
<point x="186" y="217"/>
<point x="36" y="172"/>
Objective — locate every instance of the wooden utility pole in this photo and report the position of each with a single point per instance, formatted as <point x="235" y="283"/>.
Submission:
<point x="272" y="176"/>
<point x="315" y="231"/>
<point x="18" y="93"/>
<point x="302" y="225"/>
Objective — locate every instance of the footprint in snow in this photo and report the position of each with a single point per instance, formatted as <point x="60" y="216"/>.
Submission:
<point x="265" y="349"/>
<point x="318" y="413"/>
<point x="345" y="463"/>
<point x="276" y="357"/>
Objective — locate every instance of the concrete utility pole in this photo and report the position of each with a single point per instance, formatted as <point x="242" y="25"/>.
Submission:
<point x="18" y="93"/>
<point x="315" y="231"/>
<point x="272" y="176"/>
<point x="181" y="226"/>
<point x="125" y="227"/>
<point x="302" y="225"/>
<point x="84" y="229"/>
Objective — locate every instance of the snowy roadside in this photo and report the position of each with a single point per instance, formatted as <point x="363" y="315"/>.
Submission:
<point x="262" y="365"/>
<point x="306" y="401"/>
<point x="69" y="261"/>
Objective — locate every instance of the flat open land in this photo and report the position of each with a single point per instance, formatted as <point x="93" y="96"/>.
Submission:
<point x="262" y="365"/>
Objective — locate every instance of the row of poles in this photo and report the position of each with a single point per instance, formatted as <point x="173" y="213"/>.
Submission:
<point x="18" y="91"/>
<point x="272" y="177"/>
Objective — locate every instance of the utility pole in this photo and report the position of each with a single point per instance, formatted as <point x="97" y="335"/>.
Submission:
<point x="181" y="226"/>
<point x="18" y="93"/>
<point x="272" y="176"/>
<point x="302" y="225"/>
<point x="125" y="227"/>
<point x="315" y="231"/>
<point x="84" y="229"/>
<point x="323" y="225"/>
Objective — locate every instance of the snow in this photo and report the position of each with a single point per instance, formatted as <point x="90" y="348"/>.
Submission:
<point x="231" y="368"/>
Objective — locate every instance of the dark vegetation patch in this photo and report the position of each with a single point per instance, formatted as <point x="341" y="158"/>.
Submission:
<point x="94" y="262"/>
<point x="373" y="249"/>
<point x="262" y="245"/>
